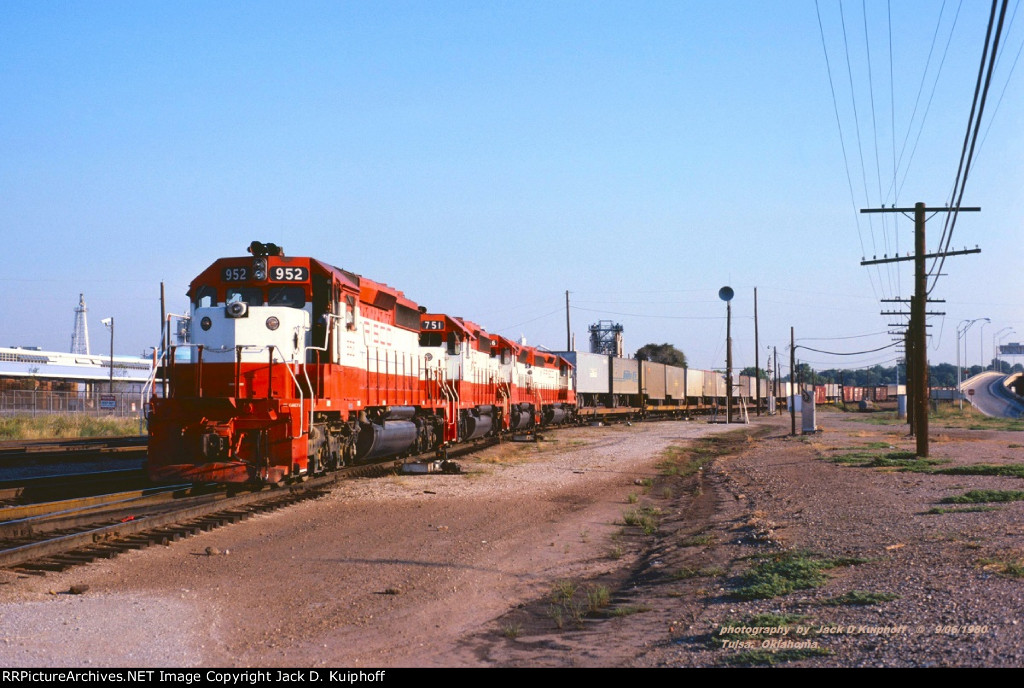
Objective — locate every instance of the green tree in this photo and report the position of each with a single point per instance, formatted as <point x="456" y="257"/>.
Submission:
<point x="762" y="374"/>
<point x="661" y="353"/>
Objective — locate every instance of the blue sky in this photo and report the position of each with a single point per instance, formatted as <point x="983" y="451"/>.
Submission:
<point x="485" y="157"/>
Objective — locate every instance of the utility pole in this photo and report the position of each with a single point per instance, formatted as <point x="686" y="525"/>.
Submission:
<point x="917" y="366"/>
<point x="908" y="348"/>
<point x="568" y="330"/>
<point x="775" y="382"/>
<point x="757" y="364"/>
<point x="909" y="344"/>
<point x="791" y="402"/>
<point x="165" y="341"/>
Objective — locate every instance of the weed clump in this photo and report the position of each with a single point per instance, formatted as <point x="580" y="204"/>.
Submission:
<point x="982" y="496"/>
<point x="699" y="540"/>
<point x="903" y="461"/>
<point x="512" y="630"/>
<point x="1013" y="470"/>
<point x="1006" y="566"/>
<point x="646" y="518"/>
<point x="861" y="598"/>
<point x="566" y="603"/>
<point x="936" y="510"/>
<point x="781" y="574"/>
<point x="686" y="573"/>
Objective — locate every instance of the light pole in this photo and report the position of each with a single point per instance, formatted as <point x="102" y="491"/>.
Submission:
<point x="995" y="352"/>
<point x="981" y="344"/>
<point x="961" y="333"/>
<point x="726" y="294"/>
<point x="109" y="322"/>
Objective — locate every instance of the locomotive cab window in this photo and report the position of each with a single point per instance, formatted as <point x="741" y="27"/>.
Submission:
<point x="292" y="296"/>
<point x="453" y="344"/>
<point x="251" y="295"/>
<point x="431" y="338"/>
<point x="206" y="296"/>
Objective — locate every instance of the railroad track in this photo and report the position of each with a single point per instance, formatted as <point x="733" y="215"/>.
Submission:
<point x="50" y="488"/>
<point x="50" y="449"/>
<point x="53" y="536"/>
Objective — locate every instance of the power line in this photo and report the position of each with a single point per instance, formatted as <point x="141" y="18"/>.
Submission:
<point x="850" y="353"/>
<point x="665" y="317"/>
<point x="973" y="127"/>
<point x="1008" y="78"/>
<point x="842" y="143"/>
<point x="931" y="96"/>
<point x="874" y="136"/>
<point x="830" y="339"/>
<point x="539" y="317"/>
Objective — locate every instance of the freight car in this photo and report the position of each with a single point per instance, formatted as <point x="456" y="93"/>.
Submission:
<point x="610" y="386"/>
<point x="296" y="367"/>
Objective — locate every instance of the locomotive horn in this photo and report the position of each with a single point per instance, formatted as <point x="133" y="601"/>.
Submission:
<point x="258" y="248"/>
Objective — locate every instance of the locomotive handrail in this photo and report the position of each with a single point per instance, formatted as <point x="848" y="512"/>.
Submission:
<point x="270" y="376"/>
<point x="324" y="348"/>
<point x="451" y="400"/>
<point x="297" y="386"/>
<point x="150" y="381"/>
<point x="160" y="357"/>
<point x="252" y="348"/>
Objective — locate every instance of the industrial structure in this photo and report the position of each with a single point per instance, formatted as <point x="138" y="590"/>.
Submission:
<point x="606" y="338"/>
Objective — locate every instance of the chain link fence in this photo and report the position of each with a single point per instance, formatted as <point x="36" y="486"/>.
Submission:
<point x="41" y="402"/>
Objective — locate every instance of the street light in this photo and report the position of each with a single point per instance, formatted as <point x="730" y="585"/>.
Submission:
<point x="961" y="333"/>
<point x="995" y="352"/>
<point x="109" y="322"/>
<point x="981" y="344"/>
<point x="726" y="294"/>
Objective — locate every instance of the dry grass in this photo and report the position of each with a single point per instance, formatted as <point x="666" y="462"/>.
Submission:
<point x="1008" y="564"/>
<point x="510" y="453"/>
<point x="50" y="426"/>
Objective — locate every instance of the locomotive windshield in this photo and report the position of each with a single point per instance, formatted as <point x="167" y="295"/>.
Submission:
<point x="290" y="296"/>
<point x="251" y="295"/>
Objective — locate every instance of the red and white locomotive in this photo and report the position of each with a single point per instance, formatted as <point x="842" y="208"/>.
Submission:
<point x="296" y="367"/>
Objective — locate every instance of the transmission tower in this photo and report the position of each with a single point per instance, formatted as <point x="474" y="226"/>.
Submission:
<point x="80" y="335"/>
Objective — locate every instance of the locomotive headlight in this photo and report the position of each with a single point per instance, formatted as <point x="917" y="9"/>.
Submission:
<point x="206" y="323"/>
<point x="259" y="269"/>
<point x="273" y="323"/>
